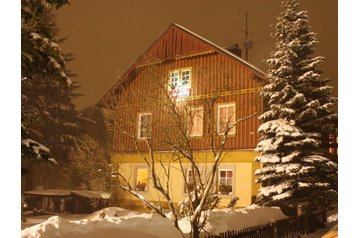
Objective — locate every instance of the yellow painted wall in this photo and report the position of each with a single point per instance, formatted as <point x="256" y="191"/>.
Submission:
<point x="242" y="163"/>
<point x="255" y="186"/>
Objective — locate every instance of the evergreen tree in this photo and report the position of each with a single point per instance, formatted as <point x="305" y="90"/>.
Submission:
<point x="298" y="114"/>
<point x="48" y="116"/>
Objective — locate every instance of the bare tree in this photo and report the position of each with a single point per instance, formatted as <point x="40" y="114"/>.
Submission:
<point x="171" y="130"/>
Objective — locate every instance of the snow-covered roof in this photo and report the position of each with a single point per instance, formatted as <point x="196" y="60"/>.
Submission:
<point x="49" y="192"/>
<point x="60" y="192"/>
<point x="92" y="194"/>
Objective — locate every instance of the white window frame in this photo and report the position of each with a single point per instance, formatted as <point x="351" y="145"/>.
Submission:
<point x="232" y="181"/>
<point x="191" y="120"/>
<point x="136" y="179"/>
<point x="232" y="131"/>
<point x="182" y="77"/>
<point x="177" y="77"/>
<point x="187" y="171"/>
<point x="180" y="81"/>
<point x="140" y="124"/>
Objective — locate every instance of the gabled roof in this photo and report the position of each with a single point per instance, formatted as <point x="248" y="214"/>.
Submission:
<point x="111" y="95"/>
<point x="223" y="50"/>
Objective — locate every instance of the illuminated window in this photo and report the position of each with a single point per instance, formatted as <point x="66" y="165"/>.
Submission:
<point x="226" y="118"/>
<point x="174" y="79"/>
<point x="196" y="118"/>
<point x="185" y="77"/>
<point x="225" y="180"/>
<point x="141" y="179"/>
<point x="179" y="83"/>
<point x="145" y="125"/>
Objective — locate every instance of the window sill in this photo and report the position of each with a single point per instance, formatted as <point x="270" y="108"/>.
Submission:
<point x="228" y="135"/>
<point x="226" y="195"/>
<point x="196" y="137"/>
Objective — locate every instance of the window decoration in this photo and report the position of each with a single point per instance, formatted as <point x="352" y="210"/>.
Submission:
<point x="141" y="179"/>
<point x="225" y="183"/>
<point x="179" y="83"/>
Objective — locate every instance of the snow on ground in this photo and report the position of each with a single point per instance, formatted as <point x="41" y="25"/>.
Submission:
<point x="115" y="222"/>
<point x="118" y="222"/>
<point x="330" y="230"/>
<point x="221" y="220"/>
<point x="332" y="218"/>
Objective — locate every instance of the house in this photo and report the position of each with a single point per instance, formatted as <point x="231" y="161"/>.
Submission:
<point x="191" y="70"/>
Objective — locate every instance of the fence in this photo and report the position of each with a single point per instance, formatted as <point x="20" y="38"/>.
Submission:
<point x="291" y="227"/>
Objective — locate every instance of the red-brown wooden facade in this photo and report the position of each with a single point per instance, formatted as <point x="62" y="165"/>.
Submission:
<point x="213" y="70"/>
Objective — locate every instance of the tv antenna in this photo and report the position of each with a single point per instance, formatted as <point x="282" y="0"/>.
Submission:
<point x="248" y="44"/>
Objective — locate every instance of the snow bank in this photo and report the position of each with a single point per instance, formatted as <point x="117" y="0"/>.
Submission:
<point x="222" y="220"/>
<point x="112" y="212"/>
<point x="113" y="222"/>
<point x="109" y="223"/>
<point x="332" y="218"/>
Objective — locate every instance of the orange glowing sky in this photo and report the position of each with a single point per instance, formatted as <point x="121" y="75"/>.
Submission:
<point x="107" y="36"/>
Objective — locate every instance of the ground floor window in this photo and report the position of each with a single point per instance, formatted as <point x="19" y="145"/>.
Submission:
<point x="141" y="179"/>
<point x="225" y="181"/>
<point x="190" y="175"/>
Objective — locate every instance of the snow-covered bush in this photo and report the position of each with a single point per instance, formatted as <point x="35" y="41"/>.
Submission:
<point x="185" y="208"/>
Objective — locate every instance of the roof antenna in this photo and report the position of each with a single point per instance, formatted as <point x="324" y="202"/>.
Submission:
<point x="248" y="44"/>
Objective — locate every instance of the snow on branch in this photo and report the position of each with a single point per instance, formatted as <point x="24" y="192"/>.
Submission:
<point x="39" y="150"/>
<point x="280" y="168"/>
<point x="268" y="158"/>
<point x="281" y="127"/>
<point x="282" y="195"/>
<point x="266" y="145"/>
<point x="276" y="189"/>
<point x="290" y="157"/>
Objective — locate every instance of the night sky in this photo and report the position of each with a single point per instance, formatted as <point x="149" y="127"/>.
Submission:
<point x="107" y="36"/>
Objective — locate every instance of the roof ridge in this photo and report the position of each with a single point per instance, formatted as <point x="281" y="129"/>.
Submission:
<point x="220" y="48"/>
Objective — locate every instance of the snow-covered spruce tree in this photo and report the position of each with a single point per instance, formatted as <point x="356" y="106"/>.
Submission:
<point x="48" y="116"/>
<point x="296" y="169"/>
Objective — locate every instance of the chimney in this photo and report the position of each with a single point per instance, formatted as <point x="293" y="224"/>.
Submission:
<point x="235" y="49"/>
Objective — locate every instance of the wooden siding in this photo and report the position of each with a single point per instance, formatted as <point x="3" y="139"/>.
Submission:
<point x="173" y="43"/>
<point x="212" y="71"/>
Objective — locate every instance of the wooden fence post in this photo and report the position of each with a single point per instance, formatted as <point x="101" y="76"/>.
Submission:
<point x="274" y="230"/>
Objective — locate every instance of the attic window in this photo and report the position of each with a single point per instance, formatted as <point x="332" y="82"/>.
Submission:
<point x="174" y="79"/>
<point x="179" y="82"/>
